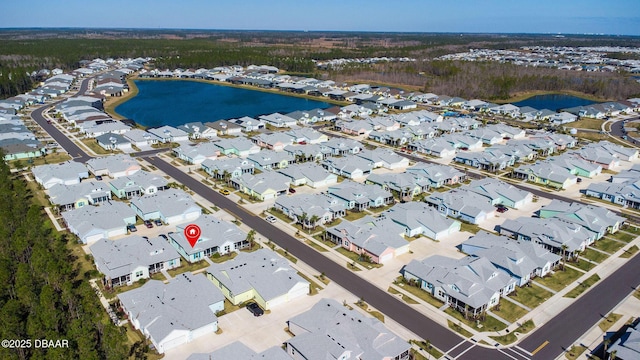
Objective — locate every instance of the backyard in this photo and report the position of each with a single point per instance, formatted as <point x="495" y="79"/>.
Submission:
<point x="560" y="278"/>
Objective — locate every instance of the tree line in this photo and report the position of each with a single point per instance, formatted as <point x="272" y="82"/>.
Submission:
<point x="43" y="295"/>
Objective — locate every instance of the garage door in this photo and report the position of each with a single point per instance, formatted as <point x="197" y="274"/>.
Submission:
<point x="386" y="257"/>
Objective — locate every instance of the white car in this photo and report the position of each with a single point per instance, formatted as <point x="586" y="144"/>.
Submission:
<point x="271" y="219"/>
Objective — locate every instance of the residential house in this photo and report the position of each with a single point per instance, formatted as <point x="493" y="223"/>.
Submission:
<point x="262" y="276"/>
<point x="114" y="166"/>
<point x="559" y="236"/>
<point x="127" y="260"/>
<point x="302" y="208"/>
<point x="471" y="285"/>
<point x="175" y="313"/>
<point x="562" y="117"/>
<point x="405" y="185"/>
<point x="546" y="173"/>
<point x="305" y="136"/>
<point x="265" y="186"/>
<point x="113" y="142"/>
<point x="238" y="350"/>
<point x="222" y="168"/>
<point x="140" y="138"/>
<point x="142" y="182"/>
<point x="172" y="206"/>
<point x="358" y="197"/>
<point x="67" y="173"/>
<point x="419" y="219"/>
<point x="310" y="174"/>
<point x="319" y="333"/>
<point x="223" y="127"/>
<point x="91" y="223"/>
<point x="341" y="147"/>
<point x="278" y="120"/>
<point x="491" y="161"/>
<point x="351" y="167"/>
<point x="462" y="204"/>
<point x="68" y="197"/>
<point x="500" y="192"/>
<point x="240" y="146"/>
<point x="384" y="158"/>
<point x="596" y="219"/>
<point x="273" y="141"/>
<point x="353" y="127"/>
<point x="521" y="260"/>
<point x="196" y="154"/>
<point x="376" y="239"/>
<point x="627" y="346"/>
<point x="168" y="134"/>
<point x="217" y="237"/>
<point x="249" y="124"/>
<point x="198" y="130"/>
<point x="438" y="147"/>
<point x="271" y="160"/>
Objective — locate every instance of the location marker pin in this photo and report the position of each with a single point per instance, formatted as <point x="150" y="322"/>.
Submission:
<point x="192" y="233"/>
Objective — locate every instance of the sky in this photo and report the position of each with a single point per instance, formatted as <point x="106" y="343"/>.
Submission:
<point x="617" y="17"/>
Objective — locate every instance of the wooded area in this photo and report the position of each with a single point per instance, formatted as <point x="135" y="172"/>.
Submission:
<point x="42" y="293"/>
<point x="30" y="49"/>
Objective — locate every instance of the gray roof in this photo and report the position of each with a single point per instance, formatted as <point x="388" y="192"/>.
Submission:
<point x="310" y="204"/>
<point x="519" y="258"/>
<point x="354" y="191"/>
<point x="472" y="280"/>
<point x="141" y="179"/>
<point x="239" y="351"/>
<point x="182" y="304"/>
<point x="170" y="202"/>
<point x="240" y="143"/>
<point x="61" y="194"/>
<point x="551" y="232"/>
<point x="87" y="219"/>
<point x="268" y="157"/>
<point x="263" y="270"/>
<point x="309" y="170"/>
<point x="375" y="235"/>
<point x="415" y="215"/>
<point x="113" y="163"/>
<point x="465" y="202"/>
<point x="69" y="170"/>
<point x="229" y="164"/>
<point x="168" y="131"/>
<point x="115" y="258"/>
<point x="112" y="138"/>
<point x="214" y="232"/>
<point x="627" y="347"/>
<point x="435" y="173"/>
<point x="262" y="182"/>
<point x="333" y="330"/>
<point x="594" y="218"/>
<point x="495" y="189"/>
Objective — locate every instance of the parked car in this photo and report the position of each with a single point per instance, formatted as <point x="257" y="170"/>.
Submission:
<point x="98" y="177"/>
<point x="148" y="224"/>
<point x="225" y="192"/>
<point x="158" y="222"/>
<point x="271" y="219"/>
<point x="255" y="309"/>
<point x="502" y="208"/>
<point x="292" y="191"/>
<point x="579" y="180"/>
<point x="132" y="228"/>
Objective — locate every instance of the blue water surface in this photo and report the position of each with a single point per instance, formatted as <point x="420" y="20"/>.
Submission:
<point x="176" y="102"/>
<point x="553" y="102"/>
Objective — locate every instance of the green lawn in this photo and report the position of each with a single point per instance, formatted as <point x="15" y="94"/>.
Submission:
<point x="583" y="286"/>
<point x="594" y="255"/>
<point x="525" y="327"/>
<point x="531" y="296"/>
<point x="423" y="295"/>
<point x="93" y="145"/>
<point x="423" y="345"/>
<point x="629" y="252"/>
<point x="560" y="279"/>
<point x="354" y="215"/>
<point x="582" y="264"/>
<point x="624" y="236"/>
<point x="280" y="215"/>
<point x="376" y="314"/>
<point x="287" y="255"/>
<point x="489" y="324"/>
<point x="608" y="322"/>
<point x="356" y="257"/>
<point x="405" y="298"/>
<point x="459" y="329"/>
<point x="186" y="266"/>
<point x="609" y="245"/>
<point x="587" y="123"/>
<point x="509" y="311"/>
<point x="56" y="158"/>
<point x="315" y="245"/>
<point x="505" y="339"/>
<point x="575" y="352"/>
<point x="217" y="258"/>
<point x="472" y="228"/>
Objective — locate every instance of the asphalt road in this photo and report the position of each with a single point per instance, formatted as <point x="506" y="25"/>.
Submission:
<point x="69" y="146"/>
<point x="561" y="331"/>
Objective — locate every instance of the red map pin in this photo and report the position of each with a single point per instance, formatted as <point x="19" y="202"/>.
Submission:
<point x="192" y="233"/>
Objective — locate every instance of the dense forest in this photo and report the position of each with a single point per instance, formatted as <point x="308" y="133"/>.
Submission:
<point x="23" y="51"/>
<point x="42" y="294"/>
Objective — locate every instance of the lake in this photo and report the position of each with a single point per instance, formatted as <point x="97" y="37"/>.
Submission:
<point x="553" y="102"/>
<point x="175" y="102"/>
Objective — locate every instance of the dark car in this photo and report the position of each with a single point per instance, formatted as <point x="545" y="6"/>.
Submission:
<point x="292" y="191"/>
<point x="148" y="224"/>
<point x="132" y="228"/>
<point x="579" y="180"/>
<point x="158" y="222"/>
<point x="502" y="208"/>
<point x="255" y="309"/>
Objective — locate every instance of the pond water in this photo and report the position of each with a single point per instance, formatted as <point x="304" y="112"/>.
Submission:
<point x="176" y="102"/>
<point x="553" y="102"/>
